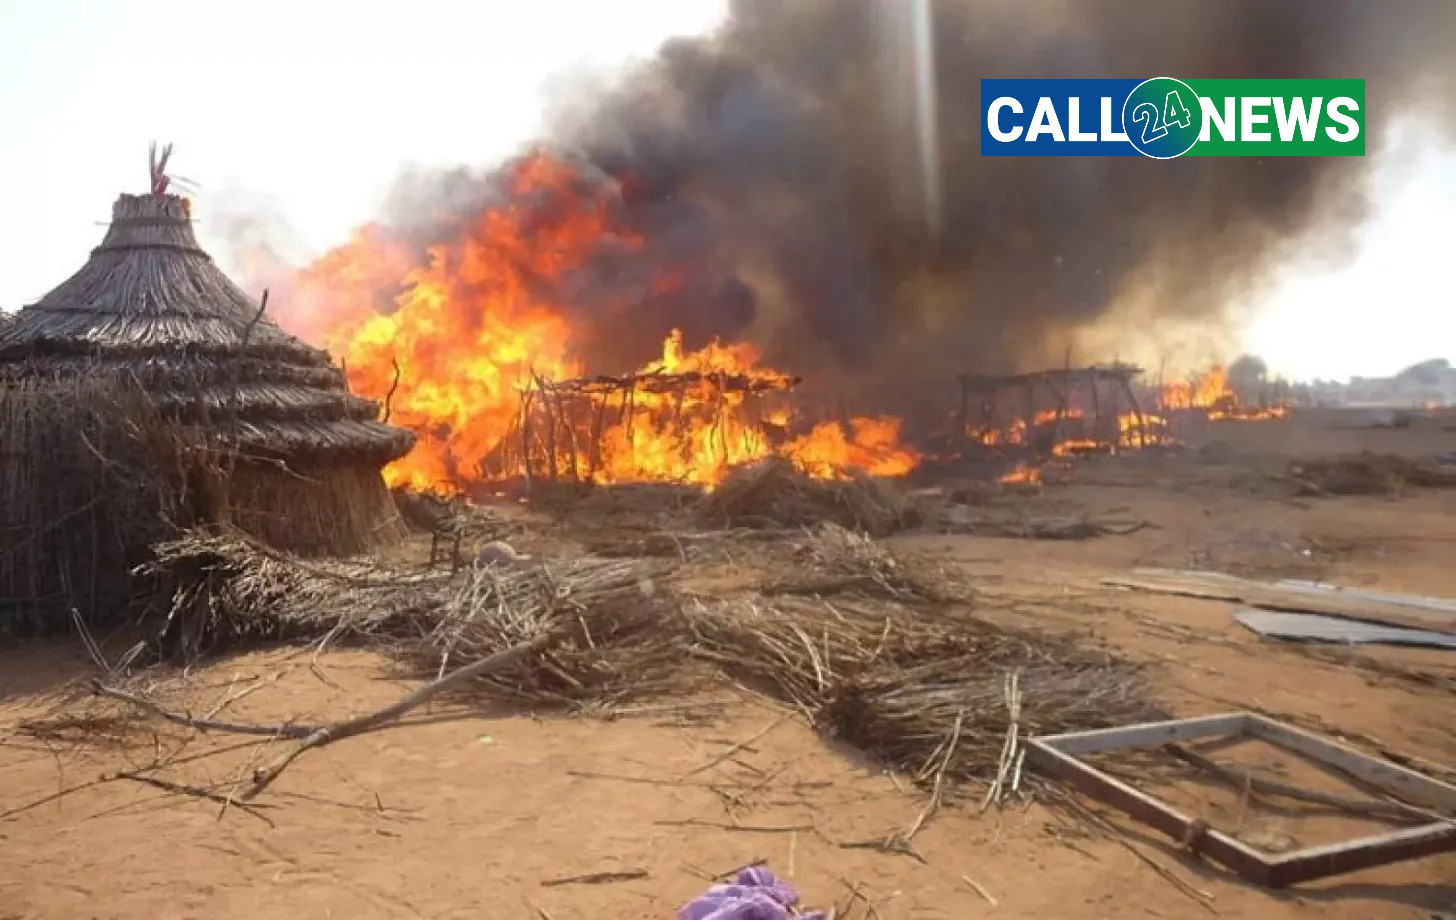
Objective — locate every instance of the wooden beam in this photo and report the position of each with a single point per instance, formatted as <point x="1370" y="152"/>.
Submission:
<point x="1147" y="734"/>
<point x="1055" y="756"/>
<point x="1196" y="835"/>
<point x="1365" y="853"/>
<point x="1404" y="783"/>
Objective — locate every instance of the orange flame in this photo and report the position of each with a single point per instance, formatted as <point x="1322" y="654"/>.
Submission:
<point x="471" y="327"/>
<point x="1211" y="392"/>
<point x="1021" y="474"/>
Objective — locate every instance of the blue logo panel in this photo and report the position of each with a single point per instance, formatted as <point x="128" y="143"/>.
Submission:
<point x="1055" y="118"/>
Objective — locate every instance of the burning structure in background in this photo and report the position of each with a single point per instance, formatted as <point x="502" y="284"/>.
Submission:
<point x="688" y="418"/>
<point x="807" y="180"/>
<point x="1074" y="412"/>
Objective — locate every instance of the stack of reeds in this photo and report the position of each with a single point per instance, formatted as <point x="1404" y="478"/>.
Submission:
<point x="896" y="683"/>
<point x="832" y="560"/>
<point x="621" y="630"/>
<point x="879" y="668"/>
<point x="775" y="493"/>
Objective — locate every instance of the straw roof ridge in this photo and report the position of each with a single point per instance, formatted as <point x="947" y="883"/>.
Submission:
<point x="151" y="305"/>
<point x="149" y="283"/>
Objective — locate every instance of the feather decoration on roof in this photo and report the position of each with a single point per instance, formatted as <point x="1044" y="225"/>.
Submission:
<point x="158" y="164"/>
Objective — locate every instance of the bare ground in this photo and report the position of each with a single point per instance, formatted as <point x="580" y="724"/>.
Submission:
<point x="458" y="814"/>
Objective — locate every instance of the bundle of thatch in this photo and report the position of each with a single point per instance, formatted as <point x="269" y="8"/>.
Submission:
<point x="268" y="438"/>
<point x="801" y="649"/>
<point x="1366" y="474"/>
<point x="894" y="680"/>
<point x="905" y="715"/>
<point x="899" y="683"/>
<point x="211" y="590"/>
<point x="832" y="560"/>
<point x="775" y="493"/>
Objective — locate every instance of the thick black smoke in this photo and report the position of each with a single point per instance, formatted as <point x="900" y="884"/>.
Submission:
<point x="777" y="159"/>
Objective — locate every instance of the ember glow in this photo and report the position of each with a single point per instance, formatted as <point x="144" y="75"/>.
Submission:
<point x="1084" y="423"/>
<point x="1210" y="392"/>
<point x="1069" y="433"/>
<point x="1021" y="474"/>
<point x="453" y="338"/>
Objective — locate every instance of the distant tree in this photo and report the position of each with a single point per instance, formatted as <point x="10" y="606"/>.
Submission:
<point x="1247" y="378"/>
<point x="1427" y="373"/>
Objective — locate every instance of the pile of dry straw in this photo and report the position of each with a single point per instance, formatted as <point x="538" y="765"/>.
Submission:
<point x="878" y="649"/>
<point x="613" y="625"/>
<point x="774" y="493"/>
<point x="1366" y="474"/>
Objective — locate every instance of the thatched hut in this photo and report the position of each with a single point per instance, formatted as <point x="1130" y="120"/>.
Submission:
<point x="148" y="392"/>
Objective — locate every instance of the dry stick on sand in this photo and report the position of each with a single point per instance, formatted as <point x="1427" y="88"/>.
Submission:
<point x="596" y="878"/>
<point x="198" y="792"/>
<point x="980" y="889"/>
<point x="904" y="841"/>
<point x="285" y="730"/>
<point x="938" y="789"/>
<point x="339" y="730"/>
<point x="318" y="736"/>
<point x="735" y="749"/>
<point x="1010" y="761"/>
<point x="707" y="876"/>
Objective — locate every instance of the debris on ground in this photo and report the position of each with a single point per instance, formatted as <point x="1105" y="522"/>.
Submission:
<point x="1291" y="595"/>
<point x="1366" y="474"/>
<point x="216" y="590"/>
<point x="775" y="493"/>
<point x="832" y="560"/>
<point x="898" y="683"/>
<point x="864" y="655"/>
<point x="1025" y="525"/>
<point x="1317" y="627"/>
<point x="755" y="894"/>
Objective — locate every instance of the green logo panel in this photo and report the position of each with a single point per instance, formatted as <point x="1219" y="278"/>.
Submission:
<point x="1279" y="118"/>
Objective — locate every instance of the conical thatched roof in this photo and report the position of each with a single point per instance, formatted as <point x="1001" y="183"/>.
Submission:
<point x="151" y="304"/>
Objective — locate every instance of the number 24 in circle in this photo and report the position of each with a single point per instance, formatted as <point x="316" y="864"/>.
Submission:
<point x="1174" y="113"/>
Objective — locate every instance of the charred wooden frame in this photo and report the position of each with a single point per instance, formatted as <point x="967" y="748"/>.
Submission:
<point x="1107" y="390"/>
<point x="559" y="428"/>
<point x="1058" y="756"/>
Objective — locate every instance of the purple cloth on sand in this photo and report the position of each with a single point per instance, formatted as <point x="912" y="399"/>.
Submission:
<point x="756" y="894"/>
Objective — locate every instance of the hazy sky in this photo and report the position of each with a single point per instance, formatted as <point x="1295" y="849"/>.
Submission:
<point x="313" y="107"/>
<point x="1393" y="305"/>
<point x="313" y="104"/>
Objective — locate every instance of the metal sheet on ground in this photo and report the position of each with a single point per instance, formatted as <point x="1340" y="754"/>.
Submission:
<point x="1409" y="611"/>
<point x="1315" y="627"/>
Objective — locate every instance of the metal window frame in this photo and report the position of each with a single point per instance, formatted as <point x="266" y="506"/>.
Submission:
<point x="1057" y="756"/>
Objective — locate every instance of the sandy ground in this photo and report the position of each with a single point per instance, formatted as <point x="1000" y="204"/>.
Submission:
<point x="472" y="814"/>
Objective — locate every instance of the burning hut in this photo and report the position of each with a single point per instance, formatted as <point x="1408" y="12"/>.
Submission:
<point x="686" y="427"/>
<point x="687" y="419"/>
<point x="1056" y="413"/>
<point x="148" y="392"/>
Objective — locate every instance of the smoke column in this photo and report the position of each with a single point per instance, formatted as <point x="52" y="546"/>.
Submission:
<point x="785" y="160"/>
<point x="809" y="177"/>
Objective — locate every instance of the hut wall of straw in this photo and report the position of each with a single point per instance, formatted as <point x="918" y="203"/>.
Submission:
<point x="85" y="488"/>
<point x="93" y="474"/>
<point x="215" y="413"/>
<point x="339" y="511"/>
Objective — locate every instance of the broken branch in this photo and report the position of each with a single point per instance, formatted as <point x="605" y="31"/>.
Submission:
<point x="338" y="731"/>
